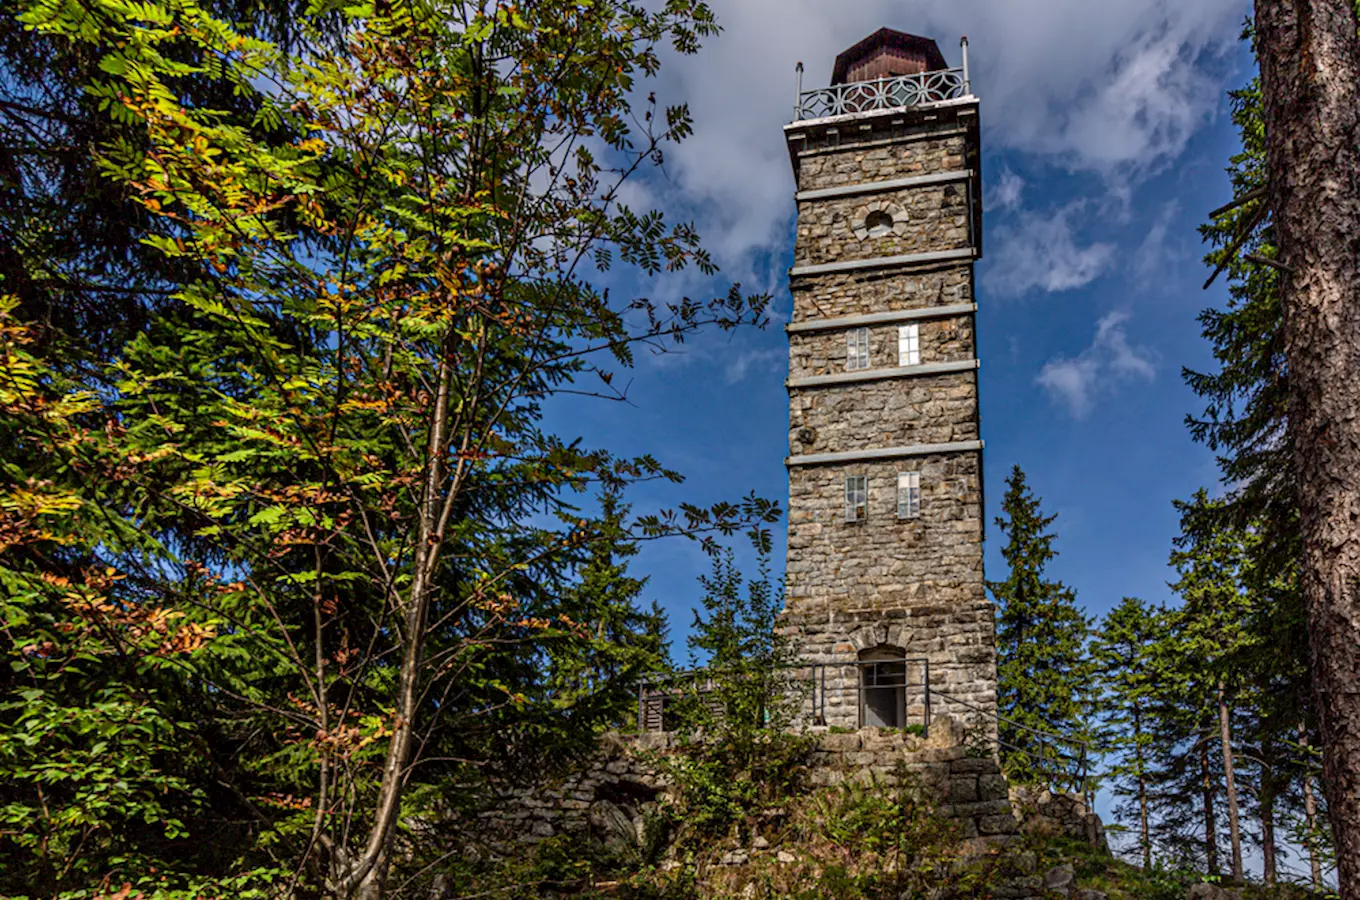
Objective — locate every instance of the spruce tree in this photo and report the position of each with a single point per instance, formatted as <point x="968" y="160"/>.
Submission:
<point x="1247" y="401"/>
<point x="1219" y="646"/>
<point x="1126" y="663"/>
<point x="746" y="686"/>
<point x="1042" y="663"/>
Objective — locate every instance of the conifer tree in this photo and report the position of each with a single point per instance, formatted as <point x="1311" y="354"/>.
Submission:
<point x="1247" y="400"/>
<point x="1042" y="664"/>
<point x="746" y="685"/>
<point x="1123" y="653"/>
<point x="1217" y="644"/>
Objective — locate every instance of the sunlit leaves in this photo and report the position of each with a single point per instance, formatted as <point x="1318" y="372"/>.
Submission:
<point x="341" y="528"/>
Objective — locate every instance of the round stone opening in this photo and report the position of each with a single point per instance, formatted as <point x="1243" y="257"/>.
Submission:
<point x="878" y="223"/>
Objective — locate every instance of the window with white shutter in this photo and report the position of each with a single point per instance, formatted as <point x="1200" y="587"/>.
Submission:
<point x="909" y="345"/>
<point x="856" y="497"/>
<point x="857" y="349"/>
<point x="908" y="495"/>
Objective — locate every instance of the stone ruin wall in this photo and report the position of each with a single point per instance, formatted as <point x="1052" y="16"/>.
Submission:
<point x="608" y="795"/>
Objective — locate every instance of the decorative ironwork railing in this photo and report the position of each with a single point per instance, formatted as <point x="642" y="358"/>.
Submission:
<point x="883" y="93"/>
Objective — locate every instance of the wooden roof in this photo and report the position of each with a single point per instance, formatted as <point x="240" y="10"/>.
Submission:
<point x="885" y="53"/>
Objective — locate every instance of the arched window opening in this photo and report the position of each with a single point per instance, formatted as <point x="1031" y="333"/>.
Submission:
<point x="878" y="223"/>
<point x="882" y="688"/>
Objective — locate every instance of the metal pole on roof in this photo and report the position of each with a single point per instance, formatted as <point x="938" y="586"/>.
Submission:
<point x="798" y="92"/>
<point x="967" y="85"/>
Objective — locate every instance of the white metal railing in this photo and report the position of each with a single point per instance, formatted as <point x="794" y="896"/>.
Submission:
<point x="883" y="93"/>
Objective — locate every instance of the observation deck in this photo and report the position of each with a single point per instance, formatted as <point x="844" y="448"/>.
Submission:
<point x="887" y="70"/>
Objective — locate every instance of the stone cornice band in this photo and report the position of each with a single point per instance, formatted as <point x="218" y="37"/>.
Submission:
<point x="939" y="368"/>
<point x="878" y="262"/>
<point x="882" y="318"/>
<point x="892" y="184"/>
<point x="814" y="459"/>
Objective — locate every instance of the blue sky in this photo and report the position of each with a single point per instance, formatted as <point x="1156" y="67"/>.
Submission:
<point x="1105" y="133"/>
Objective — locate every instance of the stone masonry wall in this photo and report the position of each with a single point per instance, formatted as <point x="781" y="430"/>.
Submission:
<point x="824" y="353"/>
<point x="933" y="409"/>
<point x="908" y="586"/>
<point x="926" y="218"/>
<point x="922" y="149"/>
<point x="853" y="293"/>
<point x="611" y="792"/>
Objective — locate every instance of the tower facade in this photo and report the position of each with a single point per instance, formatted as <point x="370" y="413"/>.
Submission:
<point x="884" y="575"/>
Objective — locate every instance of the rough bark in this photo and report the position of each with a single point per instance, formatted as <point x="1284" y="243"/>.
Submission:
<point x="1310" y="77"/>
<point x="1210" y="819"/>
<point x="1230" y="785"/>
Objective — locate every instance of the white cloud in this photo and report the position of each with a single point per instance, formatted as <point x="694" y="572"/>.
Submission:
<point x="747" y="360"/>
<point x="1158" y="250"/>
<point x="1071" y="382"/>
<point x="1114" y="88"/>
<point x="1040" y="252"/>
<point x="1005" y="193"/>
<point x="1075" y="382"/>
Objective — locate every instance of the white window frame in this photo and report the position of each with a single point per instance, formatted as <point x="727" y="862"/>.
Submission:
<point x="856" y="498"/>
<point x="908" y="495"/>
<point x="856" y="349"/>
<point x="909" y="345"/>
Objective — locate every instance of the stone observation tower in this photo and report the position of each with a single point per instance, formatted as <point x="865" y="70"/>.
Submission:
<point x="885" y="578"/>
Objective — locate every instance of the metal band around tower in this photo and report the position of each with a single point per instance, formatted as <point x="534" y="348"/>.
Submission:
<point x="882" y="318"/>
<point x="878" y="262"/>
<point x="815" y="459"/>
<point x="892" y="184"/>
<point x="916" y="371"/>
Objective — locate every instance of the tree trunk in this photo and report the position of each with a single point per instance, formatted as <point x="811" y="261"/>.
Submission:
<point x="1230" y="785"/>
<point x="366" y="876"/>
<point x="1310" y="814"/>
<point x="1310" y="80"/>
<point x="1142" y="789"/>
<point x="1267" y="805"/>
<point x="1210" y="820"/>
<point x="1310" y="817"/>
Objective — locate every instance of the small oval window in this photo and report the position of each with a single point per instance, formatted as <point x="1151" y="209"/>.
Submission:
<point x="878" y="223"/>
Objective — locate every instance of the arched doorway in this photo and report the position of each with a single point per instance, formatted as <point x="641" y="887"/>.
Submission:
<point x="882" y="687"/>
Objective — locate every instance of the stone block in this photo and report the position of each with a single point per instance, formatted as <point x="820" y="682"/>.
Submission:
<point x="992" y="787"/>
<point x="981" y="808"/>
<point x="973" y="765"/>
<point x="998" y="824"/>
<point x="839" y="743"/>
<point x="1060" y="878"/>
<point x="963" y="789"/>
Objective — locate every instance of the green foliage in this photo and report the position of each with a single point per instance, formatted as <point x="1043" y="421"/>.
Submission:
<point x="863" y="841"/>
<point x="724" y="782"/>
<point x="737" y="753"/>
<point x="1131" y="685"/>
<point x="747" y="686"/>
<point x="293" y="562"/>
<point x="1244" y="421"/>
<point x="1042" y="664"/>
<point x="1246" y="398"/>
